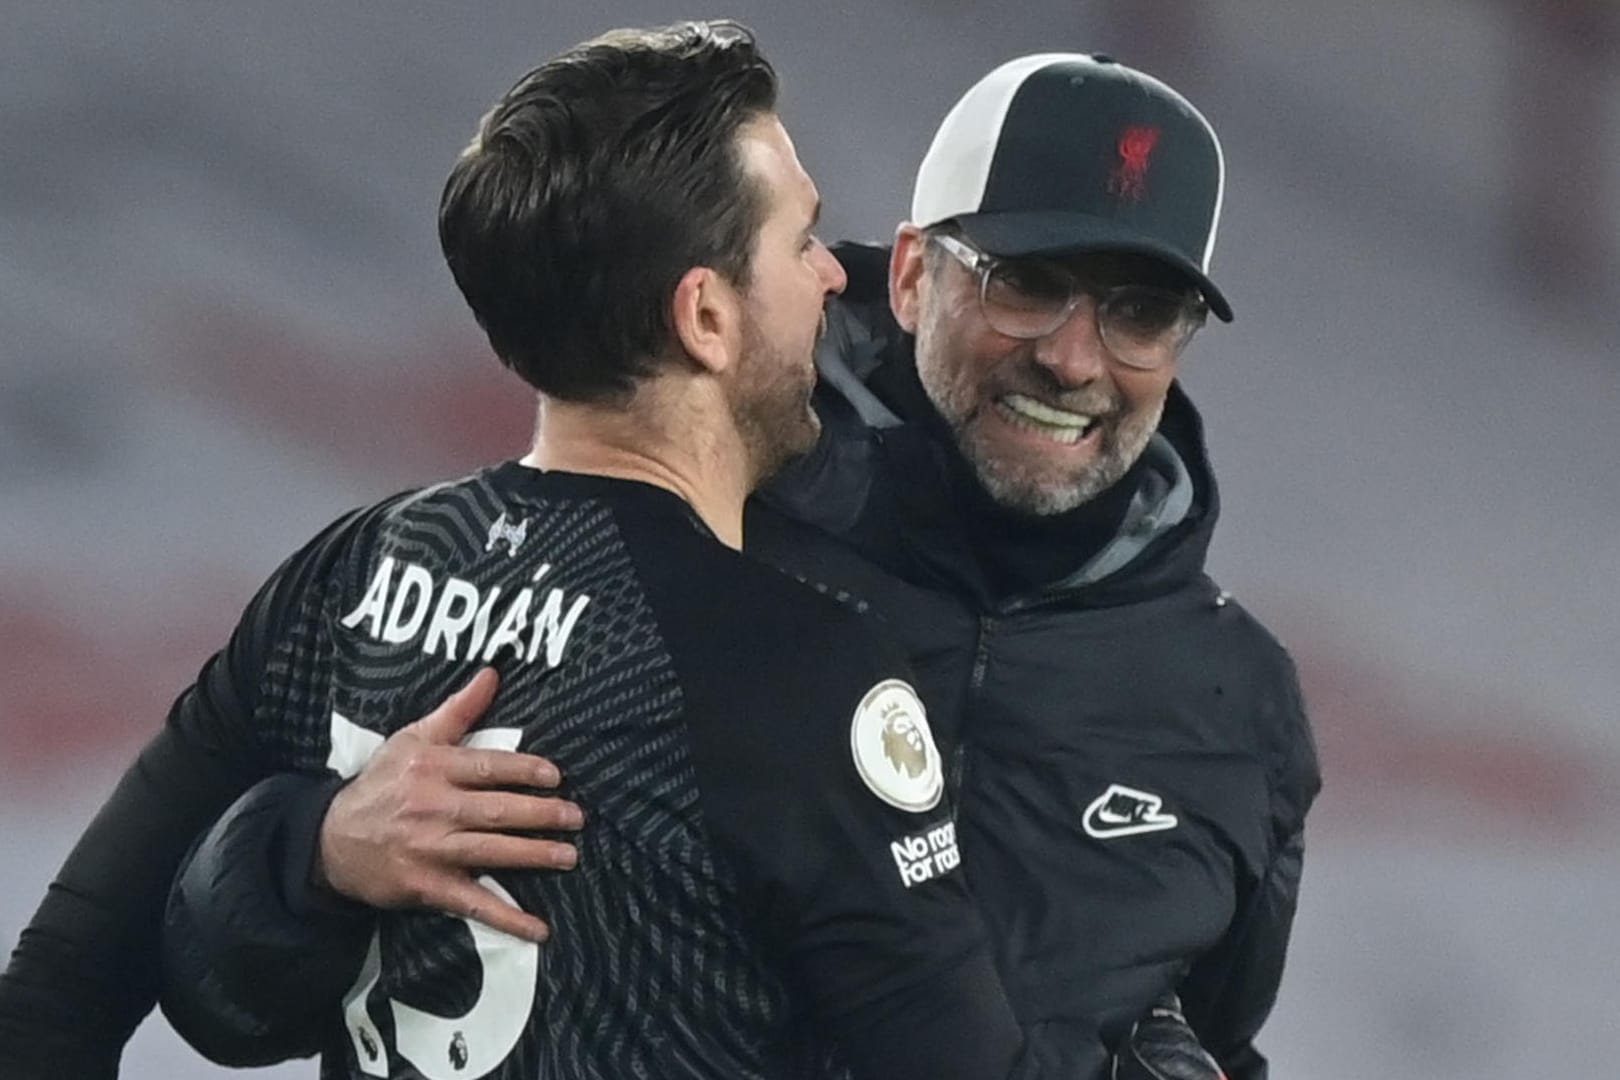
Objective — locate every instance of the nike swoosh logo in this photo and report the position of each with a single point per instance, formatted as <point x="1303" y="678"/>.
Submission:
<point x="1126" y="811"/>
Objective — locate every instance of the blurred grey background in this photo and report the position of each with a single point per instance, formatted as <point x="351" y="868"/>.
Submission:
<point x="224" y="320"/>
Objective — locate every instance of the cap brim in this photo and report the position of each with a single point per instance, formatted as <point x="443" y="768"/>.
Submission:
<point x="1052" y="233"/>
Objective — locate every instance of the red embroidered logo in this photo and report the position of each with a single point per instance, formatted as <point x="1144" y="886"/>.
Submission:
<point x="1129" y="179"/>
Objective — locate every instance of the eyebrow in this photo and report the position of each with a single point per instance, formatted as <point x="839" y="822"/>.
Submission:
<point x="815" y="217"/>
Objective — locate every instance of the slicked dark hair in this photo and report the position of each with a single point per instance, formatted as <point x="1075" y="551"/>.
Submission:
<point x="593" y="186"/>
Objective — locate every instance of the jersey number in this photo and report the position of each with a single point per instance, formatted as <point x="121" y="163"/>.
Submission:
<point x="442" y="1047"/>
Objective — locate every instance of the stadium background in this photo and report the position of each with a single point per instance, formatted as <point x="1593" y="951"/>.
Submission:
<point x="223" y="320"/>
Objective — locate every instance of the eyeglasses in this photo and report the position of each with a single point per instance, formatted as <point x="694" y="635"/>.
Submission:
<point x="1144" y="326"/>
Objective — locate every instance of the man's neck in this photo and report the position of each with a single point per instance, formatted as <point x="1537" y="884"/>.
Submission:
<point x="665" y="438"/>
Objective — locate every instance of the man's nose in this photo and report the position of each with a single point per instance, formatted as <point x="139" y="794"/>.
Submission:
<point x="832" y="271"/>
<point x="1074" y="353"/>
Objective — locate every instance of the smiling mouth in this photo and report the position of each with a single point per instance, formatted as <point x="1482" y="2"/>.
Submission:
<point x="1037" y="417"/>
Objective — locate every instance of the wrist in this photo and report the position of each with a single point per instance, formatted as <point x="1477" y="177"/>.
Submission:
<point x="307" y="846"/>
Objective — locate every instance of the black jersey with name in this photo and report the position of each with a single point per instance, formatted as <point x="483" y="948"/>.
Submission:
<point x="768" y="871"/>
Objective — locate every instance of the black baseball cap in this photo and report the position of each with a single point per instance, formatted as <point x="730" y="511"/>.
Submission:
<point x="1065" y="152"/>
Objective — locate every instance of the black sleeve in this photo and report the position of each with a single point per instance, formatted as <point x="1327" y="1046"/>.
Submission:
<point x="1230" y="991"/>
<point x="85" y="970"/>
<point x="254" y="954"/>
<point x="821" y="786"/>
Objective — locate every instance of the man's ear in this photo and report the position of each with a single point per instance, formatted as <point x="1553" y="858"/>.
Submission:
<point x="906" y="272"/>
<point x="707" y="316"/>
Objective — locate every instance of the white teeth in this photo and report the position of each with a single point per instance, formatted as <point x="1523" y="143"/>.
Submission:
<point x="1063" y="428"/>
<point x="1028" y="408"/>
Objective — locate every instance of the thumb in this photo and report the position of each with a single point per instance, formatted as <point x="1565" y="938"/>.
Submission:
<point x="450" y="722"/>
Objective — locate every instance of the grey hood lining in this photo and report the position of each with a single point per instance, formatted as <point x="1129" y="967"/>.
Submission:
<point x="1162" y="501"/>
<point x="845" y="357"/>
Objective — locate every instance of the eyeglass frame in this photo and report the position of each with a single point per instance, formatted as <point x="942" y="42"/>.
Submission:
<point x="982" y="265"/>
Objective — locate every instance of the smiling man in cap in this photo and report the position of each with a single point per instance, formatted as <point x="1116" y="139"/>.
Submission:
<point x="1027" y="494"/>
<point x="1089" y="267"/>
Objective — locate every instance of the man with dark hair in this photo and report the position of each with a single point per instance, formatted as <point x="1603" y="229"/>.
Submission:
<point x="761" y="885"/>
<point x="606" y="225"/>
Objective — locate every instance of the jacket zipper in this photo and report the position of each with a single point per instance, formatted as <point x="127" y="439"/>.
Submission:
<point x="981" y="653"/>
<point x="981" y="665"/>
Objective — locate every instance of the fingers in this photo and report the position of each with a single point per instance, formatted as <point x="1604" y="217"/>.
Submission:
<point x="456" y="715"/>
<point x="499" y="768"/>
<point x="465" y="897"/>
<point x="449" y="724"/>
<point x="508" y="811"/>
<point x="498" y="851"/>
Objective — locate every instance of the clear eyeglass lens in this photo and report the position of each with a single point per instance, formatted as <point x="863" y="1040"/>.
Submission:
<point x="1027" y="299"/>
<point x="1147" y="315"/>
<point x="1143" y="325"/>
<point x="1147" y="327"/>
